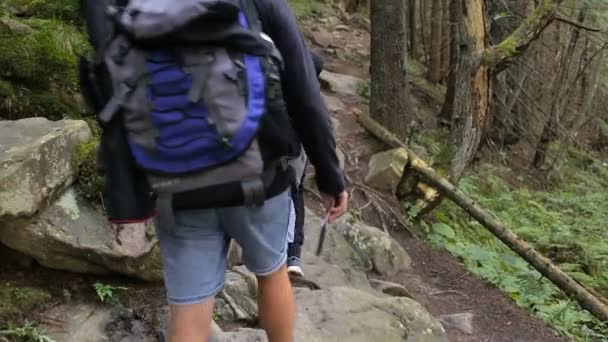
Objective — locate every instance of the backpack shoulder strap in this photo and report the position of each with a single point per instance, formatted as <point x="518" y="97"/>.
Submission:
<point x="251" y="13"/>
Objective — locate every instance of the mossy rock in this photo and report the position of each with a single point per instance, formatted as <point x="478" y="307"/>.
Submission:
<point x="17" y="299"/>
<point x="88" y="182"/>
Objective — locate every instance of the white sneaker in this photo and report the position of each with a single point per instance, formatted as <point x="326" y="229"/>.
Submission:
<point x="294" y="266"/>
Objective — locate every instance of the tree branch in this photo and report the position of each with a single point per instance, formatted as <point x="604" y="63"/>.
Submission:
<point x="500" y="56"/>
<point x="575" y="24"/>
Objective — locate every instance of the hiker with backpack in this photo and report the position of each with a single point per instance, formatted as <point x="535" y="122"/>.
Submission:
<point x="199" y="97"/>
<point x="294" y="250"/>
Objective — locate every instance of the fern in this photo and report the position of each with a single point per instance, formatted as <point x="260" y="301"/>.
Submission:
<point x="568" y="224"/>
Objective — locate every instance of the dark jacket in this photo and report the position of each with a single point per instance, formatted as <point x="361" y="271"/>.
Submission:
<point x="302" y="93"/>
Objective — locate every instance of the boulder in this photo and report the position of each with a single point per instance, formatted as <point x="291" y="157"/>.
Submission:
<point x="385" y="254"/>
<point x="344" y="128"/>
<point x="94" y="323"/>
<point x="389" y="288"/>
<point x="346" y="314"/>
<point x="74" y="236"/>
<point x="240" y="335"/>
<point x="336" y="249"/>
<point x="321" y="37"/>
<point x="325" y="275"/>
<point x="240" y="296"/>
<point x="36" y="163"/>
<point x="385" y="169"/>
<point x="334" y="104"/>
<point x="340" y="84"/>
<point x="461" y="321"/>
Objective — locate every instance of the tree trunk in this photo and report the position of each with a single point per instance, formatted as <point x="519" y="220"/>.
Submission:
<point x="389" y="85"/>
<point x="434" y="66"/>
<point x="551" y="129"/>
<point x="413" y="32"/>
<point x="468" y="97"/>
<point x="469" y="83"/>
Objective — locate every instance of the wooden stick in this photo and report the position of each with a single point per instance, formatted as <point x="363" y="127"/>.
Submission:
<point x="541" y="263"/>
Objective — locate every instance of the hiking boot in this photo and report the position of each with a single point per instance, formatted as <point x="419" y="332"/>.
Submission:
<point x="294" y="266"/>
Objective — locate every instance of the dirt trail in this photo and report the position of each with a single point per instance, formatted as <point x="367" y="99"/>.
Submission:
<point x="437" y="281"/>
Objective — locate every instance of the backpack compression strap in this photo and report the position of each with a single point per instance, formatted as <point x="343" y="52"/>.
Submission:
<point x="251" y="14"/>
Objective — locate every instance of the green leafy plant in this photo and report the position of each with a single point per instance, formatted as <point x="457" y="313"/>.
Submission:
<point x="567" y="224"/>
<point x="28" y="332"/>
<point x="67" y="295"/>
<point x="107" y="293"/>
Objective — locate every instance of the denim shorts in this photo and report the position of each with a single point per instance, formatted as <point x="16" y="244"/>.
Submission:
<point x="194" y="251"/>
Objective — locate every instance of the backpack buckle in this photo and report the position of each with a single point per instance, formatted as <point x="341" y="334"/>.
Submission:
<point x="254" y="193"/>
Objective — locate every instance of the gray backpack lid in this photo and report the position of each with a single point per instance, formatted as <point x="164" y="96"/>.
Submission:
<point x="147" y="19"/>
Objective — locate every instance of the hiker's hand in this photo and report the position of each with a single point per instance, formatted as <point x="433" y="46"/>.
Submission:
<point x="335" y="205"/>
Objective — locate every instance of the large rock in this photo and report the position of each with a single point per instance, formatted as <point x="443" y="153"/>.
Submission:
<point x="72" y="235"/>
<point x="385" y="169"/>
<point x="336" y="249"/>
<point x="385" y="254"/>
<point x="345" y="314"/>
<point x="341" y="84"/>
<point x="94" y="323"/>
<point x="240" y="295"/>
<point x="36" y="163"/>
<point x="334" y="104"/>
<point x="325" y="275"/>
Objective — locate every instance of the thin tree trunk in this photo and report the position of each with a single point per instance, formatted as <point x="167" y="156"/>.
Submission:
<point x="551" y="128"/>
<point x="445" y="39"/>
<point x="413" y="32"/>
<point x="424" y="28"/>
<point x="434" y="66"/>
<point x="389" y="85"/>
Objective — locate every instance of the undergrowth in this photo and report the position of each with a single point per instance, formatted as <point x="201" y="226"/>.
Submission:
<point x="306" y="8"/>
<point x="567" y="224"/>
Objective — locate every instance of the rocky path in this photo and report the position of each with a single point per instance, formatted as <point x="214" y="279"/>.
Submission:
<point x="44" y="219"/>
<point x="470" y="308"/>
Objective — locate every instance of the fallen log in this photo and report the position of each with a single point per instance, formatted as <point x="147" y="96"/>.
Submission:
<point x="544" y="265"/>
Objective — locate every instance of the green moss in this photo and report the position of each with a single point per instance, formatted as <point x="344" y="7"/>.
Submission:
<point x="363" y="89"/>
<point x="15" y="300"/>
<point x="66" y="10"/>
<point x="88" y="183"/>
<point x="24" y="103"/>
<point x="6" y="89"/>
<point x="508" y="47"/>
<point x="46" y="58"/>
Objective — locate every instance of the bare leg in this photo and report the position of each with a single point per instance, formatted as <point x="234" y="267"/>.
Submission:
<point x="276" y="306"/>
<point x="190" y="322"/>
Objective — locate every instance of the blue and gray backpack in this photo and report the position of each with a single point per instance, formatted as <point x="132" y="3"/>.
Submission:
<point x="198" y="87"/>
